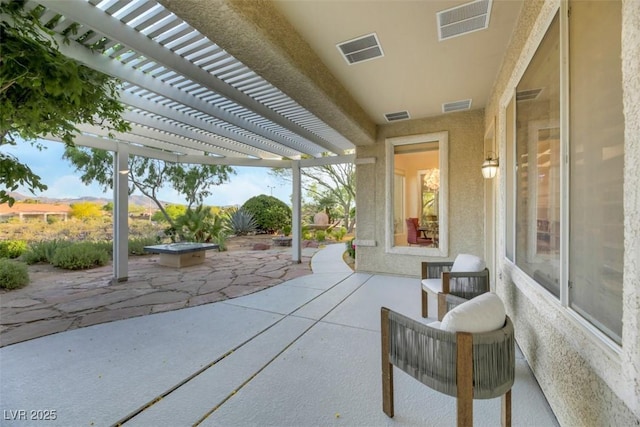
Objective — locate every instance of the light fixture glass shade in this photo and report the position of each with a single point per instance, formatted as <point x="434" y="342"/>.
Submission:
<point x="490" y="168"/>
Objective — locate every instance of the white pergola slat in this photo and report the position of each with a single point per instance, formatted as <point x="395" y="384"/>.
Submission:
<point x="161" y="46"/>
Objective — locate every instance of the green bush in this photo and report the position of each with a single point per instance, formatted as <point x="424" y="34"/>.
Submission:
<point x="80" y="256"/>
<point x="271" y="214"/>
<point x="43" y="251"/>
<point x="13" y="275"/>
<point x="340" y="233"/>
<point x="12" y="248"/>
<point x="321" y="235"/>
<point x="136" y="245"/>
<point x="351" y="248"/>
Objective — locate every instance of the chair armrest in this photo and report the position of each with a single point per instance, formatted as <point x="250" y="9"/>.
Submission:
<point x="452" y="301"/>
<point x="434" y="269"/>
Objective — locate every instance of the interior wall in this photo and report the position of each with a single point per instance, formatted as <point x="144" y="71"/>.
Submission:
<point x="586" y="381"/>
<point x="466" y="192"/>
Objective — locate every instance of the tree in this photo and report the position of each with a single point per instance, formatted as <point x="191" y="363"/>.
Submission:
<point x="86" y="210"/>
<point x="149" y="175"/>
<point x="42" y="92"/>
<point x="329" y="186"/>
<point x="173" y="211"/>
<point x="270" y="214"/>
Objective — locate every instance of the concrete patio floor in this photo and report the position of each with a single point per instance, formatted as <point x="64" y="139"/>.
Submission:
<point x="302" y="353"/>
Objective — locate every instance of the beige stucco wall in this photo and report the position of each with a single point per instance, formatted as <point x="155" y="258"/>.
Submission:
<point x="587" y="381"/>
<point x="466" y="192"/>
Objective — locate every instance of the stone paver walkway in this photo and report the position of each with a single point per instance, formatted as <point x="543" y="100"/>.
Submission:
<point x="57" y="300"/>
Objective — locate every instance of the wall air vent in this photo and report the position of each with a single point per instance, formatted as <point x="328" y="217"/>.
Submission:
<point x="450" y="107"/>
<point x="463" y="19"/>
<point x="394" y="117"/>
<point x="361" y="49"/>
<point x="527" y="95"/>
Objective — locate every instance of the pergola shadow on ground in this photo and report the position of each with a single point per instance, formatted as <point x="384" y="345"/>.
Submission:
<point x="58" y="300"/>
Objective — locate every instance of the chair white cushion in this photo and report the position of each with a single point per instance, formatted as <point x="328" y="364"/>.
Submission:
<point x="432" y="285"/>
<point x="483" y="313"/>
<point x="467" y="262"/>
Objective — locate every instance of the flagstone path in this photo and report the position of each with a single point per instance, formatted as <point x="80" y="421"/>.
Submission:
<point x="57" y="300"/>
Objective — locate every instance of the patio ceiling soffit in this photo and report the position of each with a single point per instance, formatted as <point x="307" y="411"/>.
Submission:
<point x="186" y="98"/>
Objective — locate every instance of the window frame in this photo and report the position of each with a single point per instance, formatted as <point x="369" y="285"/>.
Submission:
<point x="443" y="211"/>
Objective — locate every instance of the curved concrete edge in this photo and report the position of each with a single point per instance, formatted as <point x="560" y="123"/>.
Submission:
<point x="329" y="260"/>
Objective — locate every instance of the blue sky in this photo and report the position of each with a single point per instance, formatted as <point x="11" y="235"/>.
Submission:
<point x="64" y="182"/>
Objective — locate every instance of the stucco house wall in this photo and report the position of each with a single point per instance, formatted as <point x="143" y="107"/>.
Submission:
<point x="586" y="381"/>
<point x="466" y="192"/>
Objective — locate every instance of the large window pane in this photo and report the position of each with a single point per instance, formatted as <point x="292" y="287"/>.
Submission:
<point x="596" y="177"/>
<point x="538" y="165"/>
<point x="417" y="181"/>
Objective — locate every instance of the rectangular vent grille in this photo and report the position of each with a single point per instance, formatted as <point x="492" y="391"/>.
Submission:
<point x="527" y="95"/>
<point x="464" y="19"/>
<point x="450" y="107"/>
<point x="394" y="117"/>
<point x="361" y="49"/>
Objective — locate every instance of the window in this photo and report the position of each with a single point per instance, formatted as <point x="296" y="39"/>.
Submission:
<point x="565" y="167"/>
<point x="538" y="165"/>
<point x="417" y="171"/>
<point x="596" y="150"/>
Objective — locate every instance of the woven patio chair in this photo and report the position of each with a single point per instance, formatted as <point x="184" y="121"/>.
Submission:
<point x="466" y="277"/>
<point x="465" y="365"/>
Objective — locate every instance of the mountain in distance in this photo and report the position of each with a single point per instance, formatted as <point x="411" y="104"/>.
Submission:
<point x="133" y="200"/>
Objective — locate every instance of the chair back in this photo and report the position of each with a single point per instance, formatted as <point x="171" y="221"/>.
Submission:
<point x="430" y="355"/>
<point x="412" y="231"/>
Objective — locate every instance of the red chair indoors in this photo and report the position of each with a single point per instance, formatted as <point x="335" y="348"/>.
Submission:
<point x="413" y="237"/>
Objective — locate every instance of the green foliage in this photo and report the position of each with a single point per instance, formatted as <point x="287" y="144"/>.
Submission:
<point x="80" y="256"/>
<point x="43" y="251"/>
<point x="351" y="248"/>
<point x="339" y="233"/>
<point x="321" y="235"/>
<point x="136" y="245"/>
<point x="241" y="222"/>
<point x="86" y="210"/>
<point x="286" y="230"/>
<point x="12" y="248"/>
<point x="270" y="213"/>
<point x="221" y="241"/>
<point x="13" y="275"/>
<point x="43" y="92"/>
<point x="199" y="225"/>
<point x="172" y="211"/>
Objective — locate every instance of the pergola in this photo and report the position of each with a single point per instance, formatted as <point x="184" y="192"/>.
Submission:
<point x="187" y="100"/>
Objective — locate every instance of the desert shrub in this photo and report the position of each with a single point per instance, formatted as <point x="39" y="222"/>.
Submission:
<point x="199" y="225"/>
<point x="240" y="222"/>
<point x="12" y="248"/>
<point x="43" y="251"/>
<point x="321" y="235"/>
<point x="286" y="230"/>
<point x="270" y="213"/>
<point x="339" y="233"/>
<point x="13" y="275"/>
<point x="351" y="248"/>
<point x="136" y="245"/>
<point x="80" y="256"/>
<point x="221" y="240"/>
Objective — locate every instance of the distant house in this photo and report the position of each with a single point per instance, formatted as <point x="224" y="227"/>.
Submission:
<point x="41" y="210"/>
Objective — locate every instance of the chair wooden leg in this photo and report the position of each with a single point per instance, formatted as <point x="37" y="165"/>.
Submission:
<point x="442" y="306"/>
<point x="425" y="305"/>
<point x="506" y="409"/>
<point x="464" y="382"/>
<point x="387" y="367"/>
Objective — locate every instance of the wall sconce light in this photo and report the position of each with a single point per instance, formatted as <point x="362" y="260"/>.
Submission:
<point x="123" y="172"/>
<point x="490" y="166"/>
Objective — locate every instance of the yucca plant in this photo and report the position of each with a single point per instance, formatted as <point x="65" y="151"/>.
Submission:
<point x="241" y="222"/>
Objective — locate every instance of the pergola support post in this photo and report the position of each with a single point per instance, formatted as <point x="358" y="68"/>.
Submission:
<point x="121" y="214"/>
<point x="296" y="243"/>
